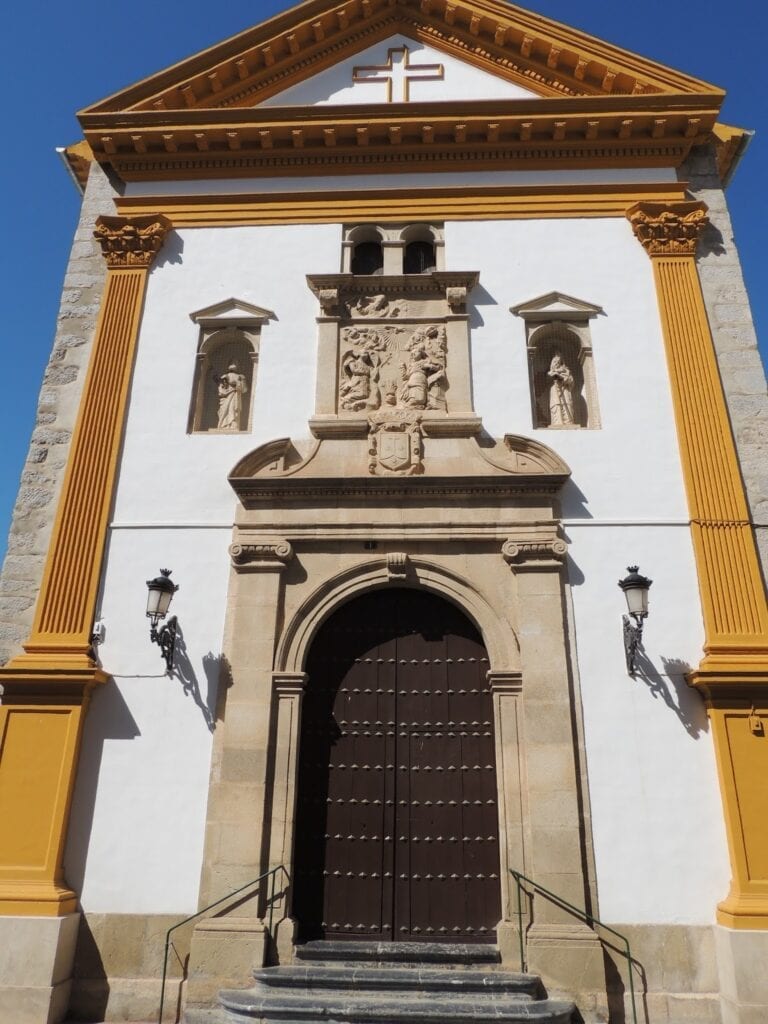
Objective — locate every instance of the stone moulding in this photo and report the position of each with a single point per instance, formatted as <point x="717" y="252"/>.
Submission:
<point x="332" y="289"/>
<point x="261" y="556"/>
<point x="276" y="472"/>
<point x="535" y="550"/>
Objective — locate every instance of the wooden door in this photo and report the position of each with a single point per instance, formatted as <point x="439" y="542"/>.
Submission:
<point x="397" y="824"/>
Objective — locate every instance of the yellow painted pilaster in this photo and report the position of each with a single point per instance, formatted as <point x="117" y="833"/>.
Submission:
<point x="733" y="675"/>
<point x="47" y="688"/>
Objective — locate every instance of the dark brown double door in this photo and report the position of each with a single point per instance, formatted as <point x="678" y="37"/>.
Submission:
<point x="397" y="823"/>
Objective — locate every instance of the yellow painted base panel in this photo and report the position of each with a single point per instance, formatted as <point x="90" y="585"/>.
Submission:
<point x="744" y="913"/>
<point x="36" y="899"/>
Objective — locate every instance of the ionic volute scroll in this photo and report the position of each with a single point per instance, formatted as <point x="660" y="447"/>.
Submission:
<point x="535" y="552"/>
<point x="261" y="556"/>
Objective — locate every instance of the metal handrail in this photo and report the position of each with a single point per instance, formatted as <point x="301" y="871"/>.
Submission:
<point x="271" y="874"/>
<point x="589" y="919"/>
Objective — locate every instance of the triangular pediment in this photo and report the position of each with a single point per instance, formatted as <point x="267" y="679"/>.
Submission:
<point x="539" y="55"/>
<point x="307" y="92"/>
<point x="232" y="311"/>
<point x="556" y="306"/>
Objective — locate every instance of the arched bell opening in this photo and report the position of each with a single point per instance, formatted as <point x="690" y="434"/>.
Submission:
<point x="397" y="829"/>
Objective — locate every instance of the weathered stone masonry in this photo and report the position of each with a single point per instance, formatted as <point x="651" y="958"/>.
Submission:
<point x="730" y="319"/>
<point x="59" y="399"/>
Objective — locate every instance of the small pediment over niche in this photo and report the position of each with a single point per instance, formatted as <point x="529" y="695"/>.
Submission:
<point x="232" y="311"/>
<point x="556" y="306"/>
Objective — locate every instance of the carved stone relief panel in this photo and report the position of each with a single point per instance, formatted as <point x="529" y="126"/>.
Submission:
<point x="395" y="342"/>
<point x="397" y="367"/>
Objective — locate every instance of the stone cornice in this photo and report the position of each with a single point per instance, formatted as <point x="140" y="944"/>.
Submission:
<point x="332" y="289"/>
<point x="131" y="242"/>
<point x="576" y="131"/>
<point x="668" y="229"/>
<point x="260" y="493"/>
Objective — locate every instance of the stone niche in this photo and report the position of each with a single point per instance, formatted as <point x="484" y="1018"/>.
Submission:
<point x="561" y="369"/>
<point x="226" y="366"/>
<point x="393" y="350"/>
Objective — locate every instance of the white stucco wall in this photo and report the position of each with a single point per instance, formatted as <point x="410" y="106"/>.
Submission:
<point x="652" y="779"/>
<point x="459" y="81"/>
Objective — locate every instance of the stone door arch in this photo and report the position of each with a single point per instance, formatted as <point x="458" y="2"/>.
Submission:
<point x="397" y="818"/>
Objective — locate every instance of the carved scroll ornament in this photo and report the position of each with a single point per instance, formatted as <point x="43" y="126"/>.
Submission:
<point x="261" y="556"/>
<point x="668" y="229"/>
<point x="531" y="554"/>
<point x="131" y="241"/>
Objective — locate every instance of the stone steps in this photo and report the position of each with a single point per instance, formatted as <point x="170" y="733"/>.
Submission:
<point x="353" y="978"/>
<point x="393" y="983"/>
<point x="408" y="954"/>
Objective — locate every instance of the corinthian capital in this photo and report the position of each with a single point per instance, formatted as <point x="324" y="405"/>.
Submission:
<point x="131" y="241"/>
<point x="668" y="229"/>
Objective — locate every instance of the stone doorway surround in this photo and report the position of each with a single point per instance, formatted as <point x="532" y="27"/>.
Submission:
<point x="477" y="526"/>
<point x="399" y="486"/>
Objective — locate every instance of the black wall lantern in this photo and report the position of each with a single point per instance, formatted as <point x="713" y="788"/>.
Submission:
<point x="160" y="594"/>
<point x="635" y="589"/>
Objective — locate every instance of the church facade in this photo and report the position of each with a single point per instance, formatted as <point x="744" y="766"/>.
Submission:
<point x="399" y="331"/>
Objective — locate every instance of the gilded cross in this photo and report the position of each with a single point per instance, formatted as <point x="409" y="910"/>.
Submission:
<point x="398" y="73"/>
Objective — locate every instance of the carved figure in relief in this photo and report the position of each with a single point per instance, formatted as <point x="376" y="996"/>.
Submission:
<point x="423" y="375"/>
<point x="359" y="387"/>
<point x="378" y="306"/>
<point x="232" y="387"/>
<point x="560" y="393"/>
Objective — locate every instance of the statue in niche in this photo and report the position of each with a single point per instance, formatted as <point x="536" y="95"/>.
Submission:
<point x="360" y="373"/>
<point x="232" y="387"/>
<point x="560" y="393"/>
<point x="423" y="376"/>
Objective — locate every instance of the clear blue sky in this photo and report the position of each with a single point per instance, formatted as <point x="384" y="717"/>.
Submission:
<point x="57" y="58"/>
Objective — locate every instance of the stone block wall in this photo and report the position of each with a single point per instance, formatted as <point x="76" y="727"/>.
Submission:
<point x="730" y="318"/>
<point x="43" y="471"/>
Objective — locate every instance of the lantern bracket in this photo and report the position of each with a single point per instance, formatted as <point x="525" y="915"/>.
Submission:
<point x="633" y="638"/>
<point x="165" y="638"/>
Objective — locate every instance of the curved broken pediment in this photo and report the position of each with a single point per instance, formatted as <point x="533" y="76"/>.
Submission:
<point x="397" y="466"/>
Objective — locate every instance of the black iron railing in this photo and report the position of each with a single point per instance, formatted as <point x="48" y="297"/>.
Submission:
<point x="589" y="919"/>
<point x="270" y="903"/>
